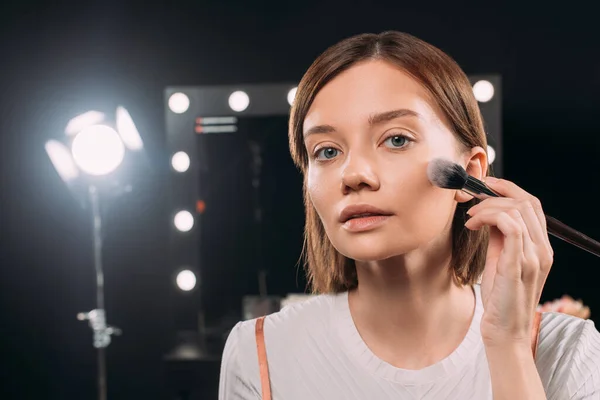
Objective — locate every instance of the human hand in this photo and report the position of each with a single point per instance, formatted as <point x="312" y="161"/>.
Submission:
<point x="518" y="260"/>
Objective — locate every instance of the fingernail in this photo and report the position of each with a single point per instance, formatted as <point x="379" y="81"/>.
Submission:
<point x="490" y="179"/>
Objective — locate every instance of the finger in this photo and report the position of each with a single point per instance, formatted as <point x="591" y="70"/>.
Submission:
<point x="511" y="258"/>
<point x="532" y="264"/>
<point x="509" y="189"/>
<point x="498" y="202"/>
<point x="539" y="212"/>
<point x="536" y="247"/>
<point x="529" y="247"/>
<point x="536" y="204"/>
<point x="538" y="235"/>
<point x="506" y="188"/>
<point x="536" y="232"/>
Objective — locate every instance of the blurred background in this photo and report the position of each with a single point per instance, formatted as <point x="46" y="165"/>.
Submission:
<point x="239" y="238"/>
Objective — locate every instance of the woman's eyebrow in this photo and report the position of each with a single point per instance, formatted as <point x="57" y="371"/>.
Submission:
<point x="379" y="118"/>
<point x="374" y="119"/>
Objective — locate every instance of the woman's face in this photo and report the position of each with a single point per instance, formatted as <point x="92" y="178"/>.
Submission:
<point x="370" y="134"/>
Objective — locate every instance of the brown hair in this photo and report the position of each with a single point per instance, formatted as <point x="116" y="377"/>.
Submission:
<point x="329" y="271"/>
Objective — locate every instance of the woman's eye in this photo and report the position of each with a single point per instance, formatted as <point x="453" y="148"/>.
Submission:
<point x="396" y="141"/>
<point x="326" y="153"/>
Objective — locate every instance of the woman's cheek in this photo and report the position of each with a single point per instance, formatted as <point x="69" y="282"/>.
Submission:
<point x="317" y="190"/>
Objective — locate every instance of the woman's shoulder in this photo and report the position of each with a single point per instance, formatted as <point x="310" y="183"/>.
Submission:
<point x="562" y="328"/>
<point x="314" y="313"/>
<point x="568" y="355"/>
<point x="286" y="334"/>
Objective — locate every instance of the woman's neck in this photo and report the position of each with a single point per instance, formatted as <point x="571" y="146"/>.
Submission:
<point x="411" y="313"/>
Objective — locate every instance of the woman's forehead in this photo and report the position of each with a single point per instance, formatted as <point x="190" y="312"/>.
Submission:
<point x="365" y="90"/>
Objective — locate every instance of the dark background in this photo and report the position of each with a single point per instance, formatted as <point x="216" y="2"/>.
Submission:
<point x="60" y="59"/>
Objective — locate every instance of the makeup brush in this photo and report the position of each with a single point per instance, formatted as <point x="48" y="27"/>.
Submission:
<point x="449" y="175"/>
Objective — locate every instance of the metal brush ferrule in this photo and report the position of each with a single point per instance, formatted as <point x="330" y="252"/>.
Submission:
<point x="478" y="189"/>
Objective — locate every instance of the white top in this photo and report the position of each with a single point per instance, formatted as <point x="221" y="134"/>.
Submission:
<point x="315" y="352"/>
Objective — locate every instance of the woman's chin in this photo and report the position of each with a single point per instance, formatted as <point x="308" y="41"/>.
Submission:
<point x="382" y="245"/>
<point x="375" y="252"/>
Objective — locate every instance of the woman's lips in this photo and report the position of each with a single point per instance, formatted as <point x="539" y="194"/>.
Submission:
<point x="361" y="210"/>
<point x="366" y="223"/>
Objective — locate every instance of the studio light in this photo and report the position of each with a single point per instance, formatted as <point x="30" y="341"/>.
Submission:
<point x="127" y="130"/>
<point x="291" y="96"/>
<point x="491" y="154"/>
<point x="483" y="91"/>
<point x="98" y="150"/>
<point x="95" y="144"/>
<point x="82" y="121"/>
<point x="179" y="103"/>
<point x="184" y="221"/>
<point x="186" y="280"/>
<point x="180" y="161"/>
<point x="239" y="101"/>
<point x="93" y="148"/>
<point x="61" y="158"/>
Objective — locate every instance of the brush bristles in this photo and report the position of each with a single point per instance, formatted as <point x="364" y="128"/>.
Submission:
<point x="446" y="174"/>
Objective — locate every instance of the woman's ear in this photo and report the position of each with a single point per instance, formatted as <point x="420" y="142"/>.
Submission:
<point x="476" y="165"/>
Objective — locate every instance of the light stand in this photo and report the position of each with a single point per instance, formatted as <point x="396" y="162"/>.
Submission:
<point x="97" y="317"/>
<point x="93" y="150"/>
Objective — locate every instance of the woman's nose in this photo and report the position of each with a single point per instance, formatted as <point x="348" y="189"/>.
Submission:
<point x="359" y="174"/>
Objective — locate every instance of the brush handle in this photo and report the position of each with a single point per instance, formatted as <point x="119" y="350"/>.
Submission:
<point x="558" y="229"/>
<point x="570" y="235"/>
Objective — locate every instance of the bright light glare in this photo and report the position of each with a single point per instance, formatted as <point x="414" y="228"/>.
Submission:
<point x="126" y="128"/>
<point x="491" y="154"/>
<point x="180" y="161"/>
<point x="186" y="280"/>
<point x="483" y="91"/>
<point x="98" y="150"/>
<point x="179" y="103"/>
<point x="292" y="95"/>
<point x="184" y="221"/>
<point x="61" y="159"/>
<point x="82" y="121"/>
<point x="239" y="101"/>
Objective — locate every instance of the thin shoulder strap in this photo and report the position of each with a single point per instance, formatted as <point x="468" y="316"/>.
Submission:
<point x="262" y="359"/>
<point x="535" y="332"/>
